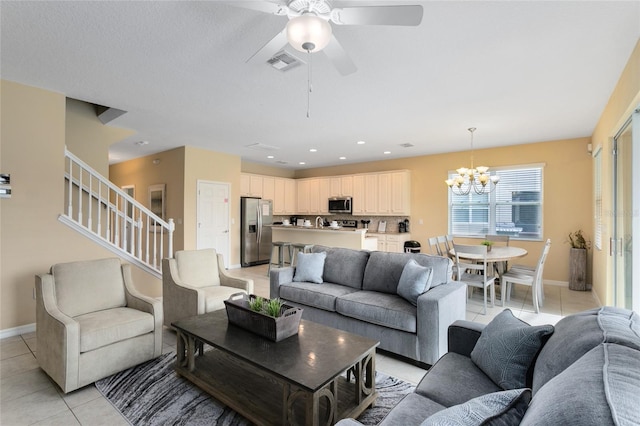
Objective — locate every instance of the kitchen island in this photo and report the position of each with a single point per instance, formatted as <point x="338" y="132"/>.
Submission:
<point x="352" y="238"/>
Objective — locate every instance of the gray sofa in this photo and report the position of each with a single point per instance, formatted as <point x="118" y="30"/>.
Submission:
<point x="358" y="294"/>
<point x="587" y="373"/>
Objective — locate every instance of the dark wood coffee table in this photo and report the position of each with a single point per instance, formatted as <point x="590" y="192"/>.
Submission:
<point x="296" y="381"/>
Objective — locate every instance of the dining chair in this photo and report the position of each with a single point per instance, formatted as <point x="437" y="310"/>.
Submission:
<point x="434" y="246"/>
<point x="444" y="245"/>
<point x="475" y="273"/>
<point x="524" y="275"/>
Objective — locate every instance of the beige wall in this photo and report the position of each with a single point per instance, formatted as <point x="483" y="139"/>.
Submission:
<point x="201" y="164"/>
<point x="180" y="169"/>
<point x="624" y="99"/>
<point x="142" y="173"/>
<point x="89" y="139"/>
<point x="567" y="167"/>
<point x="262" y="169"/>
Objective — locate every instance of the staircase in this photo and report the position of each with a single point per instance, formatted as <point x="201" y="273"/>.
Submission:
<point x="106" y="214"/>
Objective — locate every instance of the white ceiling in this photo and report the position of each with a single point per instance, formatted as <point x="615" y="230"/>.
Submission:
<point x="518" y="71"/>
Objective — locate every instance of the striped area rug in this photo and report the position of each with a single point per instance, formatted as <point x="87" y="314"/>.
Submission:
<point x="152" y="394"/>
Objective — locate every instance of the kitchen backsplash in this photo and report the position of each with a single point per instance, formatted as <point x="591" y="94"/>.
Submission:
<point x="392" y="221"/>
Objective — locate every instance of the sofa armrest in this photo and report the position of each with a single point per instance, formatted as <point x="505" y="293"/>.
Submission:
<point x="229" y="281"/>
<point x="58" y="337"/>
<point x="438" y="308"/>
<point x="179" y="300"/>
<point x="463" y="336"/>
<point x="141" y="302"/>
<point x="277" y="277"/>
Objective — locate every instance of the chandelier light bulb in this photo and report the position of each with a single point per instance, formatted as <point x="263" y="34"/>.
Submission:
<point x="308" y="33"/>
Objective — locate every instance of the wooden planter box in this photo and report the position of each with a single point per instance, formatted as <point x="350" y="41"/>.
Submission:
<point x="578" y="269"/>
<point x="276" y="329"/>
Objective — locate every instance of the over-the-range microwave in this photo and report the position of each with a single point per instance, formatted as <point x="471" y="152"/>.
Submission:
<point x="340" y="205"/>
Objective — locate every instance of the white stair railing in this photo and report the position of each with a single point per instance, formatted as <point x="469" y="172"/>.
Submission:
<point x="108" y="215"/>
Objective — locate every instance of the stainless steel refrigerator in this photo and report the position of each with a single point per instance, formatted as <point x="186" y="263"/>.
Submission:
<point x="256" y="217"/>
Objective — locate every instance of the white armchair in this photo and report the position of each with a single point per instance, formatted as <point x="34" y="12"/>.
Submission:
<point x="195" y="282"/>
<point x="92" y="323"/>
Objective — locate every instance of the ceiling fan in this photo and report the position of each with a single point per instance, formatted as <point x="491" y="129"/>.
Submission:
<point x="309" y="28"/>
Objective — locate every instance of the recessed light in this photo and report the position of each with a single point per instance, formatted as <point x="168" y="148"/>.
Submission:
<point x="313" y="150"/>
<point x="302" y="163"/>
<point x="387" y="152"/>
<point x="343" y="158"/>
<point x="361" y="142"/>
<point x="270" y="157"/>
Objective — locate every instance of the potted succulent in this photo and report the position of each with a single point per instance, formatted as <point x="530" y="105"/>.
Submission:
<point x="578" y="260"/>
<point x="488" y="244"/>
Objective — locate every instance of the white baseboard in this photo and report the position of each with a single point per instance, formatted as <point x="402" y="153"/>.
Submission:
<point x="236" y="266"/>
<point x="17" y="331"/>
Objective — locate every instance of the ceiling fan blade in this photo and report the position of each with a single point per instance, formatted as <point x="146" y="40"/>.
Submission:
<point x="262" y="6"/>
<point x="409" y="15"/>
<point x="271" y="48"/>
<point x="339" y="57"/>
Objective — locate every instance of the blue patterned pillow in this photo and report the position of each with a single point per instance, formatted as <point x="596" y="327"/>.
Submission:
<point x="504" y="408"/>
<point x="506" y="348"/>
<point x="415" y="280"/>
<point x="310" y="267"/>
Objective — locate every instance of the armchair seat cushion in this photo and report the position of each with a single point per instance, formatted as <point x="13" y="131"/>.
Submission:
<point x="102" y="328"/>
<point x="214" y="296"/>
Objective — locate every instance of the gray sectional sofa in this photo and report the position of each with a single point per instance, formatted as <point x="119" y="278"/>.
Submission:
<point x="586" y="373"/>
<point x="358" y="294"/>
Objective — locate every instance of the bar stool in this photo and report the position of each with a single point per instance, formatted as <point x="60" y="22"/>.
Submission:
<point x="280" y="246"/>
<point x="300" y="247"/>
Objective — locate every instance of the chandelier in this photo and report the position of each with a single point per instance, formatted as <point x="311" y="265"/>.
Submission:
<point x="477" y="178"/>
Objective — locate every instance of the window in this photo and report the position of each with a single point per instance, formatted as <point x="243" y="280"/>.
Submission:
<point x="514" y="208"/>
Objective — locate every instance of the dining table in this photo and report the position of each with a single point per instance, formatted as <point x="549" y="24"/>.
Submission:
<point x="499" y="256"/>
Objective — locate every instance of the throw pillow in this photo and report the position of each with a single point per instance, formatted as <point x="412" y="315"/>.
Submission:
<point x="497" y="409"/>
<point x="309" y="267"/>
<point x="415" y="280"/>
<point x="506" y="348"/>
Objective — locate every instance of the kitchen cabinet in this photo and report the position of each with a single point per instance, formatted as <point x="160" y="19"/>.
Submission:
<point x="303" y="186"/>
<point x="400" y="196"/>
<point x="281" y="191"/>
<point x="371" y="194"/>
<point x="323" y="195"/>
<point x="341" y="186"/>
<point x="384" y="193"/>
<point x="393" y="243"/>
<point x="312" y="195"/>
<point x="358" y="195"/>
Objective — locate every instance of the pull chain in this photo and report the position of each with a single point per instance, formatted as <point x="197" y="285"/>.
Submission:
<point x="309" y="86"/>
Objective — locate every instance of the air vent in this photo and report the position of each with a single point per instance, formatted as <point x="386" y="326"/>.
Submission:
<point x="406" y="145"/>
<point x="281" y="162"/>
<point x="262" y="147"/>
<point x="284" y="61"/>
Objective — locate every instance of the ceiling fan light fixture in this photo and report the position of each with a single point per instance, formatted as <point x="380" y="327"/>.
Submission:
<point x="308" y="33"/>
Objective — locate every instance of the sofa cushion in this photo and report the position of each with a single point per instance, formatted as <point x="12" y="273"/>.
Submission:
<point x="89" y="286"/>
<point x="384" y="269"/>
<point x="455" y="379"/>
<point x="198" y="268"/>
<point x="507" y="347"/>
<point x="504" y="408"/>
<point x="319" y="296"/>
<point x="414" y="281"/>
<point x="577" y="334"/>
<point x="102" y="328"/>
<point x="389" y="310"/>
<point x="343" y="266"/>
<point x="600" y="388"/>
<point x="309" y="267"/>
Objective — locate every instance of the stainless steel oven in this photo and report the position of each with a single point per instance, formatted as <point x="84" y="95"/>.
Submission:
<point x="340" y="205"/>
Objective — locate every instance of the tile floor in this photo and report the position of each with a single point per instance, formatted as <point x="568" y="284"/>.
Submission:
<point x="28" y="397"/>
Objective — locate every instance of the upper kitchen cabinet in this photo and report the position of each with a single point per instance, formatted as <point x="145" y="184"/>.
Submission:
<point x="341" y="186"/>
<point x="281" y="191"/>
<point x="382" y="194"/>
<point x="303" y="186"/>
<point x="313" y="196"/>
<point x="250" y="185"/>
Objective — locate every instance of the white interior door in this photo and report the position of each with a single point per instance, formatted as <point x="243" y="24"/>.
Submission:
<point x="213" y="217"/>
